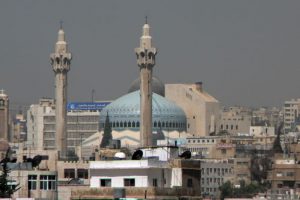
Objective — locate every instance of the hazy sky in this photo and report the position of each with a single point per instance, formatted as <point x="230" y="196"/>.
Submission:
<point x="245" y="52"/>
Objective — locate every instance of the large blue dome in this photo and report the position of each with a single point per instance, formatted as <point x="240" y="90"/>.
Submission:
<point x="124" y="113"/>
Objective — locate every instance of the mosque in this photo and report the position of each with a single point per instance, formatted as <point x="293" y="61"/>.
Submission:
<point x="178" y="111"/>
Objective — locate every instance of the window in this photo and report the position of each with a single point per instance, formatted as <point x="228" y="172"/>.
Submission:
<point x="129" y="182"/>
<point x="154" y="182"/>
<point x="69" y="173"/>
<point x="105" y="182"/>
<point x="190" y="182"/>
<point x="47" y="182"/>
<point x="32" y="182"/>
<point x="82" y="173"/>
<point x="223" y="151"/>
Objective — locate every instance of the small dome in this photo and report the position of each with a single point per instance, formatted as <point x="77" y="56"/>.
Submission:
<point x="124" y="114"/>
<point x="158" y="86"/>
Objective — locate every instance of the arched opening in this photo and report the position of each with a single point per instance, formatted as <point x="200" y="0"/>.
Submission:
<point x="155" y="124"/>
<point x="121" y="124"/>
<point x="133" y="124"/>
<point x="138" y="124"/>
<point x="129" y="124"/>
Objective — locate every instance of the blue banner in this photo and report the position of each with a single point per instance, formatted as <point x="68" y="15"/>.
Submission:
<point x="87" y="105"/>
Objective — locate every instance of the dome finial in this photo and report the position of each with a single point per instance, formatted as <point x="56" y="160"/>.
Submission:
<point x="61" y="24"/>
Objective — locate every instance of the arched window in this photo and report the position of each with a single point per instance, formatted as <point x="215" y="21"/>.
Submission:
<point x="173" y="125"/>
<point x="163" y="124"/>
<point x="159" y="124"/>
<point x="155" y="124"/>
<point x="129" y="124"/>
<point x="114" y="124"/>
<point x="138" y="124"/>
<point x="221" y="126"/>
<point x="133" y="124"/>
<point x="121" y="124"/>
<point x="125" y="124"/>
<point x="176" y="124"/>
<point x="57" y="60"/>
<point x="117" y="124"/>
<point x="167" y="124"/>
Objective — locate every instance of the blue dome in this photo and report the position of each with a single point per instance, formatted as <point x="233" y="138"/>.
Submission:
<point x="124" y="113"/>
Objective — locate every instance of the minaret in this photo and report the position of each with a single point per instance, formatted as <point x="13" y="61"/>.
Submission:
<point x="60" y="61"/>
<point x="146" y="61"/>
<point x="4" y="113"/>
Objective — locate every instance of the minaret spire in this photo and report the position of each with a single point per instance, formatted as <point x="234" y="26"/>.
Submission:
<point x="61" y="61"/>
<point x="146" y="60"/>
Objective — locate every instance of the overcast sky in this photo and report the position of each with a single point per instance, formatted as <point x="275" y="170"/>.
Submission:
<point x="245" y="52"/>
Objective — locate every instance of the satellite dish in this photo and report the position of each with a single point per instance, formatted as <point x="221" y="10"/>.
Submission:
<point x="186" y="155"/>
<point x="120" y="155"/>
<point x="36" y="160"/>
<point x="137" y="155"/>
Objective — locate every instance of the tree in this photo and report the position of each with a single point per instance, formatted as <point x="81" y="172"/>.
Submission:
<point x="226" y="190"/>
<point x="107" y="136"/>
<point x="5" y="190"/>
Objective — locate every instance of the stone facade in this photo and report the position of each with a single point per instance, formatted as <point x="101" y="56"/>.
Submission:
<point x="4" y="115"/>
<point x="201" y="109"/>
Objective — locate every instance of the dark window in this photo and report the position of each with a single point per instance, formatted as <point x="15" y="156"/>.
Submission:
<point x="231" y="127"/>
<point x="133" y="124"/>
<point x="121" y="124"/>
<point x="105" y="182"/>
<point x="190" y="182"/>
<point x="117" y="124"/>
<point x="125" y="124"/>
<point x="114" y="124"/>
<point x="236" y="127"/>
<point x="221" y="126"/>
<point x="32" y="182"/>
<point x="155" y="124"/>
<point x="154" y="182"/>
<point x="129" y="124"/>
<point x="47" y="182"/>
<point x="129" y="182"/>
<point x="163" y="124"/>
<point x="159" y="124"/>
<point x="82" y="173"/>
<point x="69" y="173"/>
<point x="138" y="124"/>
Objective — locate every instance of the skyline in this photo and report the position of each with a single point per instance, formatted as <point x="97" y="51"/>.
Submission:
<point x="245" y="53"/>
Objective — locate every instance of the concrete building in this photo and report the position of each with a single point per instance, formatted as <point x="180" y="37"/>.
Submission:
<point x="146" y="60"/>
<point x="285" y="177"/>
<point x="211" y="147"/>
<point x="235" y="120"/>
<point x="201" y="109"/>
<point x="82" y="122"/>
<point x="4" y="115"/>
<point x="61" y="61"/>
<point x="159" y="168"/>
<point x="291" y="112"/>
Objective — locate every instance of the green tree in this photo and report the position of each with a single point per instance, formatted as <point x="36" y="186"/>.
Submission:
<point x="5" y="190"/>
<point x="107" y="136"/>
<point x="226" y="190"/>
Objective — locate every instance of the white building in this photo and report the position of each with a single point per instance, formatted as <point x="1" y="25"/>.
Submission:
<point x="155" y="169"/>
<point x="81" y="124"/>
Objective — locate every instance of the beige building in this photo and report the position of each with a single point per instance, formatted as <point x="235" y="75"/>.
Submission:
<point x="235" y="120"/>
<point x="211" y="147"/>
<point x="291" y="112"/>
<point x="201" y="109"/>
